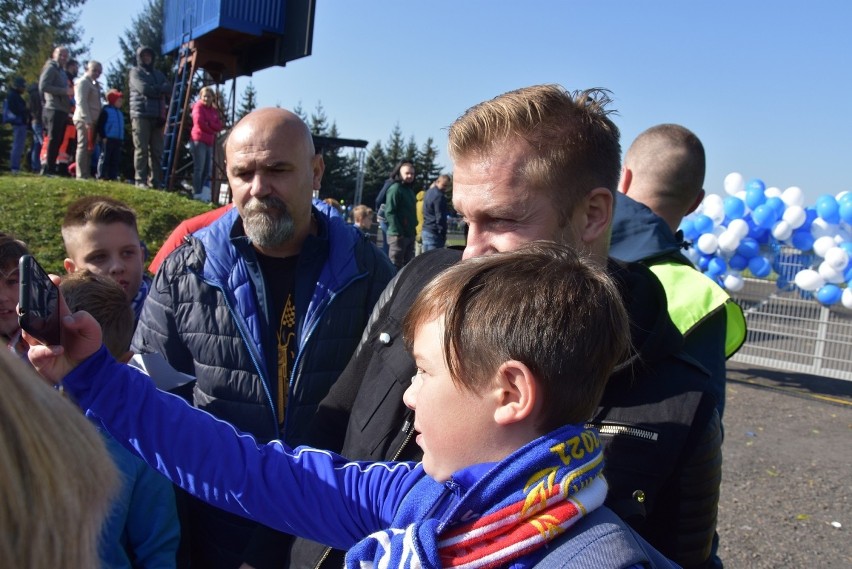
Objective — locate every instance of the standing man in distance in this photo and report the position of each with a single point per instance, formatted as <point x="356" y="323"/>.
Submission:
<point x="541" y="163"/>
<point x="148" y="91"/>
<point x="401" y="213"/>
<point x="661" y="182"/>
<point x="434" y="233"/>
<point x="264" y="306"/>
<point x="53" y="86"/>
<point x="87" y="94"/>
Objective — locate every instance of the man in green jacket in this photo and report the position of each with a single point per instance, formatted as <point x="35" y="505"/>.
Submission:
<point x="401" y="214"/>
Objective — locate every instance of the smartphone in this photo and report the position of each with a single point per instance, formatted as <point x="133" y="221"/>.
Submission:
<point x="39" y="302"/>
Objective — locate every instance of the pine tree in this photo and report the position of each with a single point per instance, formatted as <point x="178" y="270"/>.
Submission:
<point x="377" y="167"/>
<point x="394" y="149"/>
<point x="425" y="164"/>
<point x="248" y="102"/>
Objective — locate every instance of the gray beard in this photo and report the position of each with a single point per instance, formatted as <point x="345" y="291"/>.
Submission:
<point x="267" y="222"/>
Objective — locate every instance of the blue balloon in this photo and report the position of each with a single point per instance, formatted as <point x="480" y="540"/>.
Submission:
<point x="764" y="216"/>
<point x="777" y="205"/>
<point x="738" y="262"/>
<point x="845" y="209"/>
<point x="688" y="228"/>
<point x="802" y="239"/>
<point x="734" y="207"/>
<point x="716" y="266"/>
<point x="749" y="248"/>
<point x="702" y="224"/>
<point x="754" y="197"/>
<point x="847" y="246"/>
<point x="759" y="267"/>
<point x="703" y="261"/>
<point x="783" y="284"/>
<point x="828" y="209"/>
<point x="810" y="215"/>
<point x="829" y="294"/>
<point x="755" y="183"/>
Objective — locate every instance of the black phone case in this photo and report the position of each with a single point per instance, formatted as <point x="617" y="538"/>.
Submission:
<point x="39" y="302"/>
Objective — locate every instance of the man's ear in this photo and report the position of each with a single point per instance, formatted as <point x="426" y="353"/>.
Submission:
<point x="517" y="393"/>
<point x="69" y="265"/>
<point x="698" y="199"/>
<point x="626" y="180"/>
<point x="318" y="166"/>
<point x="596" y="215"/>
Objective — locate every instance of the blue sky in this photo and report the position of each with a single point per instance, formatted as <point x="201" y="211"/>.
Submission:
<point x="766" y="85"/>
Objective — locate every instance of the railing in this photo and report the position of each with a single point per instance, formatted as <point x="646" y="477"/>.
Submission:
<point x="788" y="332"/>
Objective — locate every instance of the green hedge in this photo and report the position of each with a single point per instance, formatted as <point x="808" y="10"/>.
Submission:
<point x="32" y="208"/>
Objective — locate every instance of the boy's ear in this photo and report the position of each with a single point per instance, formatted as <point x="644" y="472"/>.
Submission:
<point x="517" y="393"/>
<point x="69" y="265"/>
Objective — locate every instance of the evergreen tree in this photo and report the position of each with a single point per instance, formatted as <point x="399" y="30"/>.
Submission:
<point x="248" y="102"/>
<point x="425" y="164"/>
<point x="395" y="149"/>
<point x="377" y="167"/>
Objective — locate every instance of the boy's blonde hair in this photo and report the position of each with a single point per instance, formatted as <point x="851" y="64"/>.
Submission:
<point x="57" y="479"/>
<point x="106" y="301"/>
<point x="545" y="305"/>
<point x="361" y="212"/>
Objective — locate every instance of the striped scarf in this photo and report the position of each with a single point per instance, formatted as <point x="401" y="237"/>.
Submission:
<point x="521" y="504"/>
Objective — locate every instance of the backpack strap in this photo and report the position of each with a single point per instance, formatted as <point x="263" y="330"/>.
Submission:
<point x="604" y="541"/>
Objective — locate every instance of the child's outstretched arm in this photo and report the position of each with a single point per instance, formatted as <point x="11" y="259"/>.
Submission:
<point x="307" y="492"/>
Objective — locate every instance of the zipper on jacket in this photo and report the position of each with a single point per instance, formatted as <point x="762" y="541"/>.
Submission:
<point x="408" y="429"/>
<point x="299" y="363"/>
<point x="611" y="429"/>
<point x="263" y="380"/>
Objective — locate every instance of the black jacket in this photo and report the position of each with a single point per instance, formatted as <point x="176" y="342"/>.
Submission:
<point x="659" y="423"/>
<point x="205" y="315"/>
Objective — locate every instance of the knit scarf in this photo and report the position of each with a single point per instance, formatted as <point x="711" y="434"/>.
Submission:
<point x="517" y="507"/>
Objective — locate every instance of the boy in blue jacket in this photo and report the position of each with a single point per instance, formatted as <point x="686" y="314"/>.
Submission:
<point x="510" y="475"/>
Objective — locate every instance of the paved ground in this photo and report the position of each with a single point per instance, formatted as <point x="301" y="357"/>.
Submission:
<point x="787" y="488"/>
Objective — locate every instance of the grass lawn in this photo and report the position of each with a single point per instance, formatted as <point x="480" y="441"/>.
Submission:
<point x="32" y="208"/>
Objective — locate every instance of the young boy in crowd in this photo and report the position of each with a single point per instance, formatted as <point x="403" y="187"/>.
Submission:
<point x="111" y="129"/>
<point x="362" y="218"/>
<point x="142" y="529"/>
<point x="513" y="351"/>
<point x="11" y="250"/>
<point x="100" y="235"/>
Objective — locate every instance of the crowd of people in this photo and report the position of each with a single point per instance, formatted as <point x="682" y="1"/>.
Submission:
<point x="540" y="398"/>
<point x="78" y="128"/>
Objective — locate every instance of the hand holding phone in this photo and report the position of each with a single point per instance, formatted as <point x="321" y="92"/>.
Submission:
<point x="39" y="302"/>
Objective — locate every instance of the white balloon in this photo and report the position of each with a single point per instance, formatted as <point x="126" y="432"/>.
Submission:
<point x="793" y="196"/>
<point x="734" y="182"/>
<point x="714" y="212"/>
<point x="823" y="244"/>
<point x="837" y="258"/>
<point x="795" y="215"/>
<point x="782" y="230"/>
<point x="728" y="241"/>
<point x="738" y="227"/>
<point x="846" y="297"/>
<point x="821" y="228"/>
<point x="742" y="195"/>
<point x="829" y="273"/>
<point x="772" y="192"/>
<point x="707" y="243"/>
<point x="809" y="279"/>
<point x="718" y="230"/>
<point x="734" y="283"/>
<point x="843" y="234"/>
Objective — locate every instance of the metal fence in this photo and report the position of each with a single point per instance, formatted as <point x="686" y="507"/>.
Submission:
<point x="789" y="332"/>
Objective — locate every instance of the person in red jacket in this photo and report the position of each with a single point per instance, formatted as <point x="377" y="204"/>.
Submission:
<point x="205" y="126"/>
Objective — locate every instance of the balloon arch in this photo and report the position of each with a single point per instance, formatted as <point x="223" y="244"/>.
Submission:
<point x="771" y="233"/>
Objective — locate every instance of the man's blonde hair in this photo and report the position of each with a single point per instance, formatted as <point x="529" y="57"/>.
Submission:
<point x="574" y="145"/>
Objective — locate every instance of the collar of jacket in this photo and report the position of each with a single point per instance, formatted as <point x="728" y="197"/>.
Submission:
<point x="638" y="234"/>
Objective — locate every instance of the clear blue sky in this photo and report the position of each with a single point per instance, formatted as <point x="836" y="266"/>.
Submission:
<point x="767" y="86"/>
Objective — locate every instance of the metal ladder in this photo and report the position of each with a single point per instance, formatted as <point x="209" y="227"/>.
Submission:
<point x="178" y="103"/>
